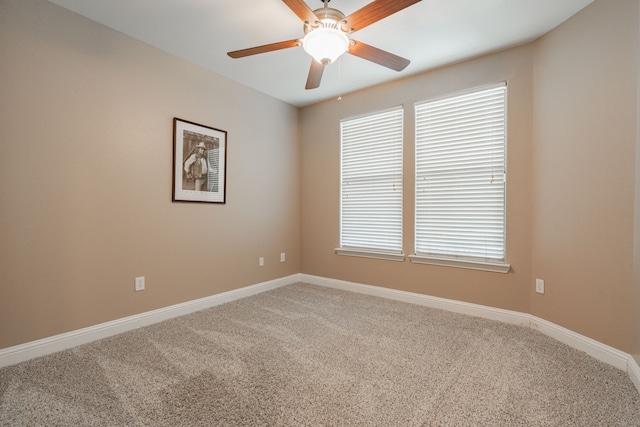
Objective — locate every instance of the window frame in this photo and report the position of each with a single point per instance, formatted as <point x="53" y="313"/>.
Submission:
<point x="458" y="259"/>
<point x="391" y="130"/>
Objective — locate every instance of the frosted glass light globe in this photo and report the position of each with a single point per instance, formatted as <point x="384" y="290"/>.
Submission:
<point x="325" y="45"/>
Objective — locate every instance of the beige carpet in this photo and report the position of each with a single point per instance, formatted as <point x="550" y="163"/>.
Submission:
<point x="304" y="355"/>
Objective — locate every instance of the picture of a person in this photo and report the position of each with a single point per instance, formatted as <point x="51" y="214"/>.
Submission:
<point x="196" y="167"/>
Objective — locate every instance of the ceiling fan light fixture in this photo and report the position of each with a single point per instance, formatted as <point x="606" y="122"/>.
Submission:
<point x="327" y="37"/>
<point x="325" y="44"/>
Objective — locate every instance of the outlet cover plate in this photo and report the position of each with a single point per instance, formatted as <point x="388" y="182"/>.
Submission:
<point x="139" y="283"/>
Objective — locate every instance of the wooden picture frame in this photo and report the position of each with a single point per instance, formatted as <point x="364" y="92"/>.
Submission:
<point x="199" y="163"/>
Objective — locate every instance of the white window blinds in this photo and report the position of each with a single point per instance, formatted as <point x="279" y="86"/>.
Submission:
<point x="371" y="181"/>
<point x="460" y="175"/>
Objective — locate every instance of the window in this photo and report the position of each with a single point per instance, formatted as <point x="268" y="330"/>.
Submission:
<point x="371" y="185"/>
<point x="460" y="180"/>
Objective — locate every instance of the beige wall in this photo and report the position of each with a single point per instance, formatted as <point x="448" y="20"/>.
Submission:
<point x="636" y="258"/>
<point x="321" y="195"/>
<point x="85" y="177"/>
<point x="571" y="174"/>
<point x="586" y="74"/>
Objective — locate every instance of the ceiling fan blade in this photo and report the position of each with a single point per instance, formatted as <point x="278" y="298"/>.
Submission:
<point x="379" y="56"/>
<point x="264" y="48"/>
<point x="315" y="75"/>
<point x="374" y="12"/>
<point x="300" y="8"/>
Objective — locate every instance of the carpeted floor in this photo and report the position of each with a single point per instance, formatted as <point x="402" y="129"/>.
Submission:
<point x="304" y="355"/>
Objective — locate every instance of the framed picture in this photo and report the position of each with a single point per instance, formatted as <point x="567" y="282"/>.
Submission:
<point x="199" y="163"/>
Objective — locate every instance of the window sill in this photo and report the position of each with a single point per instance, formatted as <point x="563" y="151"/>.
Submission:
<point x="364" y="253"/>
<point x="496" y="267"/>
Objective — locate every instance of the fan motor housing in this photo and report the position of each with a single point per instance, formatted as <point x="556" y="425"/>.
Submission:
<point x="325" y="14"/>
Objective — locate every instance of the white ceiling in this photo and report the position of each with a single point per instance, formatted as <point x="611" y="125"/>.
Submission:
<point x="431" y="33"/>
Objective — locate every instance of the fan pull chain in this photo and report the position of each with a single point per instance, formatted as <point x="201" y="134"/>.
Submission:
<point x="339" y="79"/>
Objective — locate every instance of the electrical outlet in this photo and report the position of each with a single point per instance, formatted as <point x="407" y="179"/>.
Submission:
<point x="139" y="283"/>
<point x="261" y="262"/>
<point x="283" y="257"/>
<point x="540" y="286"/>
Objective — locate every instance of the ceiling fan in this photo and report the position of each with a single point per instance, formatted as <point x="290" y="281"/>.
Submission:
<point x="327" y="33"/>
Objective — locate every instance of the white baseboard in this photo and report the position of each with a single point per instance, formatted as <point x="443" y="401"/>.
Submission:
<point x="30" y="350"/>
<point x="592" y="347"/>
<point x="602" y="352"/>
<point x="634" y="372"/>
